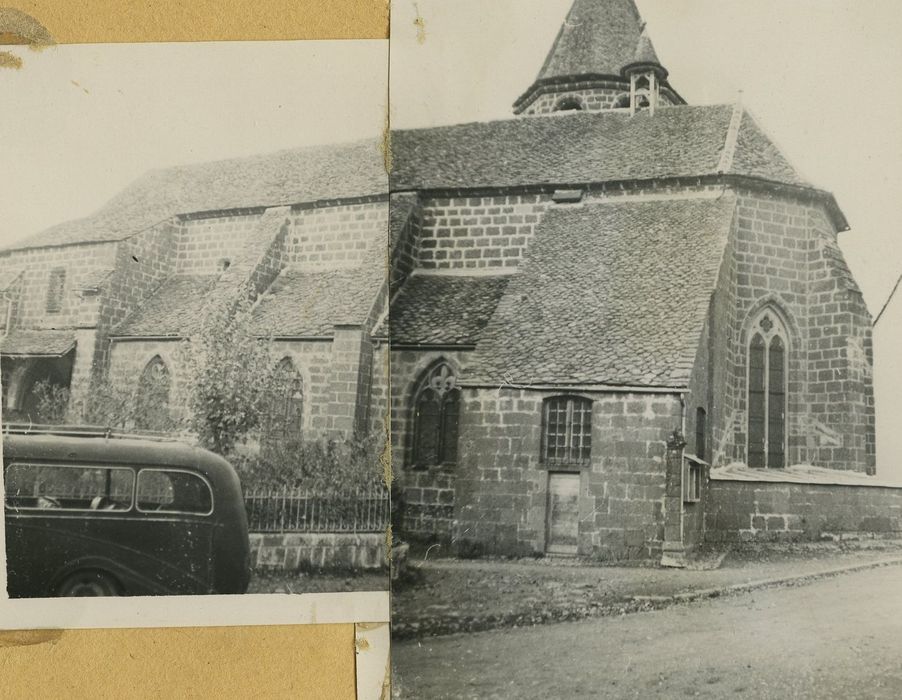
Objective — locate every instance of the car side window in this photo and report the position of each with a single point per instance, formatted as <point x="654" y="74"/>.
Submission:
<point x="64" y="487"/>
<point x="170" y="491"/>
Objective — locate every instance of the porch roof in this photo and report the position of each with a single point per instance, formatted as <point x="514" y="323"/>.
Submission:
<point x="37" y="343"/>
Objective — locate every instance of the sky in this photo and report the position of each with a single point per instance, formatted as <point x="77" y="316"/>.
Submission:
<point x="822" y="77"/>
<point x="79" y="123"/>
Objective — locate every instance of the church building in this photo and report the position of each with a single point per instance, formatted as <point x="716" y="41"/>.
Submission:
<point x="613" y="324"/>
<point x="110" y="298"/>
<point x="602" y="301"/>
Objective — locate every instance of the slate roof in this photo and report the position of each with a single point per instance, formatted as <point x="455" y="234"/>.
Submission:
<point x="172" y="310"/>
<point x="583" y="147"/>
<point x="304" y="304"/>
<point x="609" y="293"/>
<point x="287" y="177"/>
<point x="597" y="37"/>
<point x="444" y="309"/>
<point x="32" y="343"/>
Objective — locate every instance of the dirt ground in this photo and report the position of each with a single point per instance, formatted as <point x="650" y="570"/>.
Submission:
<point x="311" y="582"/>
<point x="838" y="637"/>
<point x="444" y="596"/>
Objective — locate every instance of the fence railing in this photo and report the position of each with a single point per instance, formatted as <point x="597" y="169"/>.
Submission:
<point x="300" y="510"/>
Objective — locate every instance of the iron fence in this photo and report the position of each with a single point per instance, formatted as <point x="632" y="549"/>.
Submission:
<point x="301" y="510"/>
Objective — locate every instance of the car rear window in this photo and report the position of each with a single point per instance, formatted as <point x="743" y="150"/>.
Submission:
<point x="169" y="491"/>
<point x="58" y="487"/>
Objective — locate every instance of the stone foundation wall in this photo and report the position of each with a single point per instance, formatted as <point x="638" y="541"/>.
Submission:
<point x="428" y="504"/>
<point x="753" y="511"/>
<point x="304" y="551"/>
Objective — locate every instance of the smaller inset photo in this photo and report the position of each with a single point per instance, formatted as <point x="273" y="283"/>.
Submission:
<point x="192" y="282"/>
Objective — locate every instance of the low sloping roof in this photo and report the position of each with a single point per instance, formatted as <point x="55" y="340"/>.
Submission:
<point x="614" y="292"/>
<point x="37" y="343"/>
<point x="311" y="304"/>
<point x="444" y="309"/>
<point x="293" y="176"/>
<point x="583" y="147"/>
<point x="172" y="310"/>
<point x="800" y="474"/>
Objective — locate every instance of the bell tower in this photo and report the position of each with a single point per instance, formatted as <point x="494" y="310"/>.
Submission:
<point x="602" y="59"/>
<point x="646" y="75"/>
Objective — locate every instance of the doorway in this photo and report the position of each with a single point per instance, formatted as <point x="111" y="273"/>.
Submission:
<point x="562" y="513"/>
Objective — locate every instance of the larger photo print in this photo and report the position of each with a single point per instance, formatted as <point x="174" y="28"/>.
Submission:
<point x="192" y="321"/>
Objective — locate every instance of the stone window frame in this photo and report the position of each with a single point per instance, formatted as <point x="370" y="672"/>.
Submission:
<point x="284" y="413"/>
<point x="569" y="103"/>
<point x="437" y="385"/>
<point x="768" y="324"/>
<point x="154" y="382"/>
<point x="56" y="286"/>
<point x="576" y="411"/>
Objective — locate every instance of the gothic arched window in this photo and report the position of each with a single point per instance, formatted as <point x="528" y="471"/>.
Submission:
<point x="152" y="405"/>
<point x="767" y="392"/>
<point x="436" y="417"/>
<point x="285" y="411"/>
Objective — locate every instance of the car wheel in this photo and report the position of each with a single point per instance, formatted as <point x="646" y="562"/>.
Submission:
<point x="83" y="584"/>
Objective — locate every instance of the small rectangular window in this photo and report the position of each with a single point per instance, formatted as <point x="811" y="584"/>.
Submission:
<point x="692" y="481"/>
<point x="55" y="287"/>
<point x="50" y="487"/>
<point x="567" y="431"/>
<point x="171" y="491"/>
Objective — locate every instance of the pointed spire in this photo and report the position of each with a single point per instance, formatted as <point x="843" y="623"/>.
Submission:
<point x="585" y="67"/>
<point x="598" y="37"/>
<point x="645" y="57"/>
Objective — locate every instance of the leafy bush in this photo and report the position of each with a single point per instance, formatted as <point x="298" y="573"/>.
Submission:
<point x="51" y="402"/>
<point x="229" y="374"/>
<point x="328" y="467"/>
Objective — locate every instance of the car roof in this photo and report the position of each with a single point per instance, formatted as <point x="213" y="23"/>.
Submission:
<point x="112" y="449"/>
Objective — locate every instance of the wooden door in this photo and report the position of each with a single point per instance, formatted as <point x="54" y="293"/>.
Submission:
<point x="562" y="513"/>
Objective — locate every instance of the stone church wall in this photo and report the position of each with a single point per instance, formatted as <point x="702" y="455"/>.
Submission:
<point x="203" y="243"/>
<point x="82" y="263"/>
<point x="783" y="253"/>
<point x="332" y="237"/>
<point x="427" y="495"/>
<point x="502" y="486"/>
<point x="478" y="232"/>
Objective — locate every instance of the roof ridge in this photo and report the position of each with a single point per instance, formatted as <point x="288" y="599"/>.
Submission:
<point x="729" y="147"/>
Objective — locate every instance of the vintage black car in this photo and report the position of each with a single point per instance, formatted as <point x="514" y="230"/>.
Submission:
<point x="91" y="512"/>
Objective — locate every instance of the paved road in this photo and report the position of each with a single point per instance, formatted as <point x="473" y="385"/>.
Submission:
<point x="836" y="638"/>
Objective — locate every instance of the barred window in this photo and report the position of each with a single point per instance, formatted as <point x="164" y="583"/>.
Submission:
<point x="436" y="417"/>
<point x="767" y="393"/>
<point x="55" y="287"/>
<point x="567" y="431"/>
<point x="152" y="404"/>
<point x="285" y="412"/>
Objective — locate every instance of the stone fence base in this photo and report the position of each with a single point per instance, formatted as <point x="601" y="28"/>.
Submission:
<point x="764" y="510"/>
<point x="304" y="551"/>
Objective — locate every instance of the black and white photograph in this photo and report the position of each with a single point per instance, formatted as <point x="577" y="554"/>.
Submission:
<point x="563" y="334"/>
<point x="194" y="300"/>
<point x="644" y="341"/>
